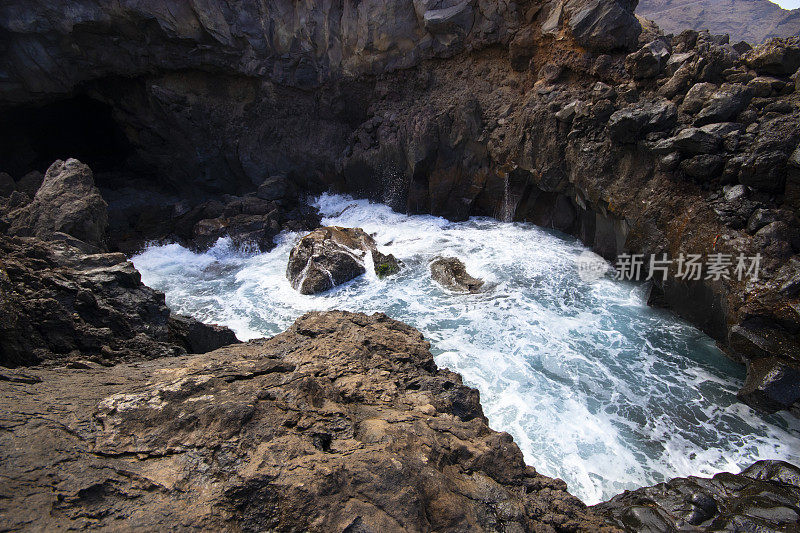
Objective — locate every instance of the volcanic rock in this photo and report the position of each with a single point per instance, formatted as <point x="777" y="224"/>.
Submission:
<point x="649" y="60"/>
<point x="451" y="273"/>
<point x="724" y="104"/>
<point x="330" y="256"/>
<point x="603" y="25"/>
<point x="61" y="304"/>
<point x="776" y="57"/>
<point x="342" y="423"/>
<point x="197" y="337"/>
<point x="30" y="183"/>
<point x="632" y="123"/>
<point x="763" y="497"/>
<point x="67" y="202"/>
<point x="771" y="385"/>
<point x="7" y="184"/>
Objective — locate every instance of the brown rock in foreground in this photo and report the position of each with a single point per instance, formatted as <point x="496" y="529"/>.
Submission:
<point x="342" y="423"/>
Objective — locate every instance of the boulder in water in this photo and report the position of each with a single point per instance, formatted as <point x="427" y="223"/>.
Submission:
<point x="385" y="264"/>
<point x="451" y="273"/>
<point x="330" y="256"/>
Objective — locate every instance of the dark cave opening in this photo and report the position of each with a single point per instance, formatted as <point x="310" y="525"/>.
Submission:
<point x="80" y="127"/>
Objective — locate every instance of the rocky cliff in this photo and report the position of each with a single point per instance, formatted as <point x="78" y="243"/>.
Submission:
<point x="753" y="21"/>
<point x="342" y="423"/>
<point x="528" y="110"/>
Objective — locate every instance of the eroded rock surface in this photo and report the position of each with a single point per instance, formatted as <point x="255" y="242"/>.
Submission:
<point x="59" y="303"/>
<point x="66" y="202"/>
<point x="763" y="497"/>
<point x="330" y="256"/>
<point x="342" y="423"/>
<point x="539" y="111"/>
<point x="451" y="273"/>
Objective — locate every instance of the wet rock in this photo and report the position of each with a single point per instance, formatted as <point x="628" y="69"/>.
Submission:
<point x="342" y="423"/>
<point x="761" y="498"/>
<point x="330" y="256"/>
<point x="724" y="104"/>
<point x="771" y="385"/>
<point x="630" y="124"/>
<point x="385" y="264"/>
<point x="649" y="60"/>
<point x="778" y="57"/>
<point x="248" y="232"/>
<point x="451" y="273"/>
<point x="67" y="202"/>
<point x="7" y="185"/>
<point x="603" y="25"/>
<point x="196" y="337"/>
<point x="61" y="304"/>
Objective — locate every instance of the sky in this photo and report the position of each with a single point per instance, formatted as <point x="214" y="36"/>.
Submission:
<point x="788" y="4"/>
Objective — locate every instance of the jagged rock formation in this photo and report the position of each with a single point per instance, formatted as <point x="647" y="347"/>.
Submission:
<point x="763" y="497"/>
<point x="67" y="202"/>
<point x="330" y="256"/>
<point x="753" y="21"/>
<point x="536" y="113"/>
<point x="451" y="273"/>
<point x="61" y="301"/>
<point x="60" y="304"/>
<point x="342" y="423"/>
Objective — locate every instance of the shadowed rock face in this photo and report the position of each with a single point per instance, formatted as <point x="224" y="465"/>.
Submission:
<point x="59" y="304"/>
<point x="342" y="423"/>
<point x="66" y="202"/>
<point x="62" y="301"/>
<point x="763" y="497"/>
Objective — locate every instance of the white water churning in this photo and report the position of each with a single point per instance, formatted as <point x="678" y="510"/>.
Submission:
<point x="596" y="388"/>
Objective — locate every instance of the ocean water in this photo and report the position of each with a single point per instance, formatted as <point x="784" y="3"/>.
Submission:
<point x="596" y="388"/>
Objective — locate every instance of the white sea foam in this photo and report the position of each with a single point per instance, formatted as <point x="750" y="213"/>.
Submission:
<point x="596" y="388"/>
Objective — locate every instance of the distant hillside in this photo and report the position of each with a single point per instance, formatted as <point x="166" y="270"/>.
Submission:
<point x="744" y="20"/>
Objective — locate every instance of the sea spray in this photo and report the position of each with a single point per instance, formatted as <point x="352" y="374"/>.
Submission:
<point x="596" y="388"/>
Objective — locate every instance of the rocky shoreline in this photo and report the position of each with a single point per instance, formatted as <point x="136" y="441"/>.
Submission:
<point x="566" y="114"/>
<point x="220" y="120"/>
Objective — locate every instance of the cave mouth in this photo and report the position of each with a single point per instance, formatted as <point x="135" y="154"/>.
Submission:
<point x="80" y="127"/>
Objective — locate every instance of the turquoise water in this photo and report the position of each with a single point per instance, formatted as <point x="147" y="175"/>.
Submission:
<point x="596" y="388"/>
